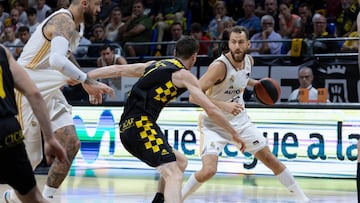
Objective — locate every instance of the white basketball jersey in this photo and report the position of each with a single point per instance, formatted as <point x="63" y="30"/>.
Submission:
<point x="36" y="52"/>
<point x="233" y="86"/>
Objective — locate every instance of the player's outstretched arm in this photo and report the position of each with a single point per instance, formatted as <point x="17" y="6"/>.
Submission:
<point x="27" y="87"/>
<point x="126" y="70"/>
<point x="184" y="78"/>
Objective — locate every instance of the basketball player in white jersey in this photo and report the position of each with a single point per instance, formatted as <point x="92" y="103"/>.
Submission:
<point x="225" y="81"/>
<point x="45" y="58"/>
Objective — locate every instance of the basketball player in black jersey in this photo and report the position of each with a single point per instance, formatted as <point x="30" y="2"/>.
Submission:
<point x="16" y="169"/>
<point x="160" y="83"/>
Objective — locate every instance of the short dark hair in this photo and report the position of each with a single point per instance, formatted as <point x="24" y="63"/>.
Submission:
<point x="31" y="11"/>
<point x="23" y="29"/>
<point x="195" y="27"/>
<point x="186" y="47"/>
<point x="240" y="29"/>
<point x="105" y="46"/>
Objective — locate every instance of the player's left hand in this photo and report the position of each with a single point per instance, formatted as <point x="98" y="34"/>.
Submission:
<point x="54" y="149"/>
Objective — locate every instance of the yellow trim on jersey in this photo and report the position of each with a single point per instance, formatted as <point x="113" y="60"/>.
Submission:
<point x="18" y="99"/>
<point x="39" y="55"/>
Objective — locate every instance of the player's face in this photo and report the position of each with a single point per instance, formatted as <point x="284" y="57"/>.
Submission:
<point x="238" y="45"/>
<point x="91" y="11"/>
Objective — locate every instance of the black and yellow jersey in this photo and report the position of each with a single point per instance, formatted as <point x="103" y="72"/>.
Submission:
<point x="153" y="90"/>
<point x="7" y="97"/>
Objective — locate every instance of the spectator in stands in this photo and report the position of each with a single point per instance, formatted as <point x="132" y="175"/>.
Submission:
<point x="11" y="41"/>
<point x="126" y="8"/>
<point x="204" y="41"/>
<point x="169" y="12"/>
<point x="305" y="23"/>
<point x="82" y="49"/>
<point x="32" y="19"/>
<point x="320" y="32"/>
<point x="112" y="28"/>
<point x="107" y="58"/>
<point x="41" y="9"/>
<point x="333" y="9"/>
<point x="346" y="20"/>
<point x="219" y="48"/>
<point x="216" y="26"/>
<point x="137" y="28"/>
<point x="351" y="45"/>
<point x="305" y="77"/>
<point x="59" y="5"/>
<point x="20" y="6"/>
<point x="98" y="39"/>
<point x="250" y="20"/>
<point x="3" y="14"/>
<point x="288" y="22"/>
<point x="24" y="36"/>
<point x="176" y="33"/>
<point x="106" y="9"/>
<point x="271" y="8"/>
<point x="14" y="17"/>
<point x="266" y="36"/>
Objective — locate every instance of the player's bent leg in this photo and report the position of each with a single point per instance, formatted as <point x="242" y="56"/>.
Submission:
<point x="159" y="196"/>
<point x="282" y="173"/>
<point x="58" y="171"/>
<point x="181" y="160"/>
<point x="173" y="177"/>
<point x="207" y="171"/>
<point x="267" y="158"/>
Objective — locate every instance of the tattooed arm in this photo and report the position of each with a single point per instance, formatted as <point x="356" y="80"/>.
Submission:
<point x="61" y="30"/>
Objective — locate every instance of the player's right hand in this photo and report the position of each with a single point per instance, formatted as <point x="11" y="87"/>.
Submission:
<point x="240" y="143"/>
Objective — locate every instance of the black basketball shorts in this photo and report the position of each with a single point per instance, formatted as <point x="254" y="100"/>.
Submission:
<point x="145" y="140"/>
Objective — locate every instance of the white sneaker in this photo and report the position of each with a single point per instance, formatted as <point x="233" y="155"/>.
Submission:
<point x="6" y="196"/>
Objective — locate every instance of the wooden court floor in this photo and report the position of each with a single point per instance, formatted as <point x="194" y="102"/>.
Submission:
<point x="139" y="186"/>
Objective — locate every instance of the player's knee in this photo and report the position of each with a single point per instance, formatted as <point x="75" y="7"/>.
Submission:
<point x="208" y="172"/>
<point x="182" y="162"/>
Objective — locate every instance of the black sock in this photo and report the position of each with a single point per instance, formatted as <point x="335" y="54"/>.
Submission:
<point x="358" y="180"/>
<point x="159" y="198"/>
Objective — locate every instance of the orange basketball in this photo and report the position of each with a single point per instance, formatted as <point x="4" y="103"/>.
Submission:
<point x="267" y="91"/>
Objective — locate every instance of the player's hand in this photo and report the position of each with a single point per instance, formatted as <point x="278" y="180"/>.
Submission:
<point x="93" y="87"/>
<point x="95" y="99"/>
<point x="239" y="143"/>
<point x="54" y="149"/>
<point x="233" y="107"/>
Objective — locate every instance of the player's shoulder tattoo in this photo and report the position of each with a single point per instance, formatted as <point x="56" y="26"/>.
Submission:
<point x="61" y="25"/>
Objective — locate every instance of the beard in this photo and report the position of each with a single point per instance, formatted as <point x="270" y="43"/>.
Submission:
<point x="237" y="57"/>
<point x="89" y="18"/>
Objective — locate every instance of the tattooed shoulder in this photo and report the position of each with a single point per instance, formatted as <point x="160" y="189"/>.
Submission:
<point x="60" y="25"/>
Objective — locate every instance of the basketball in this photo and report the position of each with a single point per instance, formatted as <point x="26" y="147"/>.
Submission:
<point x="267" y="91"/>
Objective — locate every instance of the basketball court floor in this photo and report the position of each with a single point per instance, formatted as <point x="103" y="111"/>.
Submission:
<point x="139" y="186"/>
